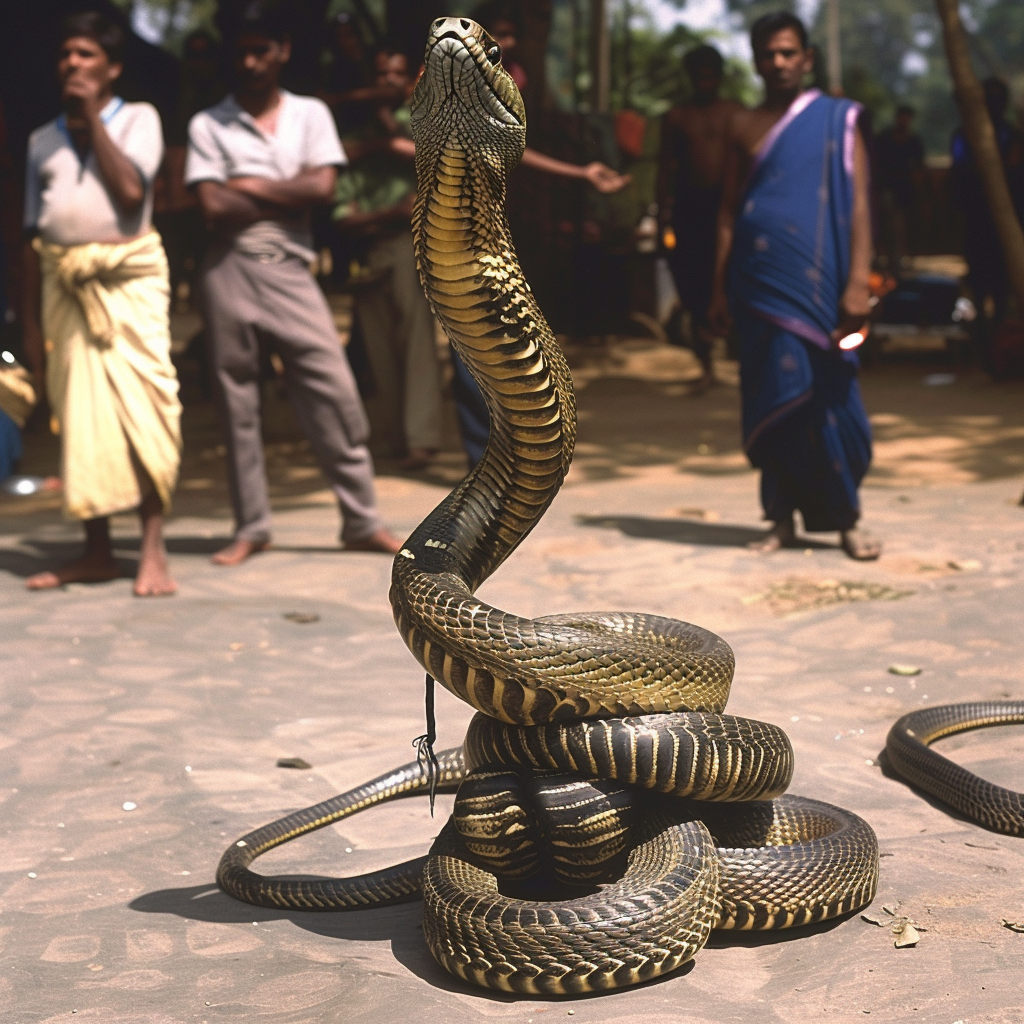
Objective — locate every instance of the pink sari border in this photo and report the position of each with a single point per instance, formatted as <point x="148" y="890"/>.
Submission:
<point x="852" y="114"/>
<point x="796" y="108"/>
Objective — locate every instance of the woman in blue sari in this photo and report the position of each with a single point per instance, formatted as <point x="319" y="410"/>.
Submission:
<point x="793" y="260"/>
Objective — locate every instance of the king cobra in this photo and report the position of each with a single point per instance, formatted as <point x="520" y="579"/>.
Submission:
<point x="609" y="814"/>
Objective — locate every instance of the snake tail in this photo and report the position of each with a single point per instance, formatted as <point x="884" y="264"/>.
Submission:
<point x="908" y="752"/>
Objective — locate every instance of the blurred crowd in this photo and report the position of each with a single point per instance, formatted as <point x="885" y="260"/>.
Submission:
<point x="250" y="200"/>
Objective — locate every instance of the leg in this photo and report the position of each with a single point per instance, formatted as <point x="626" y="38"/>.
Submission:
<point x="97" y="565"/>
<point x="230" y="307"/>
<point x="153" y="578"/>
<point x="325" y="400"/>
<point x="422" y="372"/>
<point x="781" y="535"/>
<point x="378" y="320"/>
<point x="471" y="409"/>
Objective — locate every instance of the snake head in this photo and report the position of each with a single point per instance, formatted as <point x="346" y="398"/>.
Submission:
<point x="465" y="92"/>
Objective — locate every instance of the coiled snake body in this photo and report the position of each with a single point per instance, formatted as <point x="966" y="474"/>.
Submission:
<point x="600" y="737"/>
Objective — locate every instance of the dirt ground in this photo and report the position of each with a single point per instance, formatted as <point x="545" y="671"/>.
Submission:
<point x="140" y="737"/>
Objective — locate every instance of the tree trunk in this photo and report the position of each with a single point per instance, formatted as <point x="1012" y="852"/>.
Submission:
<point x="982" y="139"/>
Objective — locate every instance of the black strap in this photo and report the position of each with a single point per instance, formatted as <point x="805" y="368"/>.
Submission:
<point x="424" y="745"/>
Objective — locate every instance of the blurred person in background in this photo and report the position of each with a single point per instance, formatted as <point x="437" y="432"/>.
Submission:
<point x="96" y="271"/>
<point x="259" y="161"/>
<point x="899" y="174"/>
<point x="347" y="84"/>
<point x="986" y="266"/>
<point x="689" y="192"/>
<point x="181" y="225"/>
<point x="373" y="201"/>
<point x="11" y="404"/>
<point x="793" y="263"/>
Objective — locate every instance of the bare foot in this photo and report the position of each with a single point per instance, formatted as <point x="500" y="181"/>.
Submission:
<point x="89" y="569"/>
<point x="860" y="545"/>
<point x="238" y="551"/>
<point x="418" y="458"/>
<point x="781" y="535"/>
<point x="382" y="540"/>
<point x="153" y="579"/>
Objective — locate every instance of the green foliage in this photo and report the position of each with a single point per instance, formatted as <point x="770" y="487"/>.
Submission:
<point x="646" y="65"/>
<point x="173" y="20"/>
<point x="893" y="53"/>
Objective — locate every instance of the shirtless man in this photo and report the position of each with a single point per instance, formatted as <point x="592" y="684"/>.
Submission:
<point x="792" y="266"/>
<point x="690" y="170"/>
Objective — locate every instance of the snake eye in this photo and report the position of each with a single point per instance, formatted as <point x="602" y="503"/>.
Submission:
<point x="494" y="54"/>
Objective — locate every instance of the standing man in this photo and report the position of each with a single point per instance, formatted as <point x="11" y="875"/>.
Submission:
<point x="899" y="174"/>
<point x="98" y="272"/>
<point x="794" y="255"/>
<point x="374" y="200"/>
<point x="986" y="266"/>
<point x="690" y="170"/>
<point x="259" y="160"/>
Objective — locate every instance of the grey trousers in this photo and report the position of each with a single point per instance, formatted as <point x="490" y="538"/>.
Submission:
<point x="244" y="300"/>
<point x="398" y="329"/>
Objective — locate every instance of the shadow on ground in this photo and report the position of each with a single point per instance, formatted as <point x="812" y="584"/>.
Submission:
<point x="687" y="531"/>
<point x="399" y="924"/>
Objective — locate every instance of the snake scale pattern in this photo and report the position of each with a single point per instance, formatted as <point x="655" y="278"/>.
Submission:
<point x="906" y="748"/>
<point x="608" y="814"/>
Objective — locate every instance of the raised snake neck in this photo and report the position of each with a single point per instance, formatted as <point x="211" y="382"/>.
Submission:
<point x="518" y="670"/>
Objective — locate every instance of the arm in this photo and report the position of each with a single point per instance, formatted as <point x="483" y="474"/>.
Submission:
<point x="310" y="187"/>
<point x="119" y="174"/>
<point x="602" y="177"/>
<point x="855" y="305"/>
<point x="371" y="223"/>
<point x="356" y="149"/>
<point x="666" y="170"/>
<point x="718" y="312"/>
<point x="227" y="210"/>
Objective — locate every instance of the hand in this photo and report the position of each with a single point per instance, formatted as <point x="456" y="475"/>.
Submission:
<point x="86" y="92"/>
<point x="718" y="314"/>
<point x="402" y="146"/>
<point x="604" y="179"/>
<point x="854" y="310"/>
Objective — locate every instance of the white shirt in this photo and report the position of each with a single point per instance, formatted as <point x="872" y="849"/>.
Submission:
<point x="66" y="200"/>
<point x="226" y="142"/>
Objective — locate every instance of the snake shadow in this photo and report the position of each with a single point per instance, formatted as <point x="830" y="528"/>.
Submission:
<point x="883" y="762"/>
<point x="400" y="924"/>
<point x="687" y="531"/>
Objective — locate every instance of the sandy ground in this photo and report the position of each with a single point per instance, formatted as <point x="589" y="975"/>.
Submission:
<point x="180" y="708"/>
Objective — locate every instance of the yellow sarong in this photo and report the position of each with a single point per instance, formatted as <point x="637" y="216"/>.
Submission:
<point x="112" y="387"/>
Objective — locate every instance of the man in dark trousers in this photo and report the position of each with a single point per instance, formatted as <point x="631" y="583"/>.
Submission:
<point x="259" y="160"/>
<point x="693" y="149"/>
<point x="899" y="174"/>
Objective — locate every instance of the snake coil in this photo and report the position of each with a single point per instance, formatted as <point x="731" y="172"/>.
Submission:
<point x="600" y="764"/>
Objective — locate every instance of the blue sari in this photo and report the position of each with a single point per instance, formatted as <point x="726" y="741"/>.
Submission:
<point x="804" y="424"/>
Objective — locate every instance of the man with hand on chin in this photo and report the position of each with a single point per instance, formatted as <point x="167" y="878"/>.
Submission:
<point x="259" y="161"/>
<point x="96" y="307"/>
